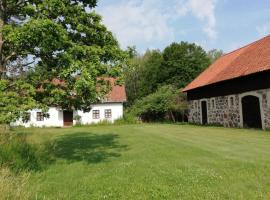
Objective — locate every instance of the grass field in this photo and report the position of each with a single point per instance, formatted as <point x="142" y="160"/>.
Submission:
<point x="152" y="162"/>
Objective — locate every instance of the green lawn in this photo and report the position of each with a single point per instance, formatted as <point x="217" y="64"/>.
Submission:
<point x="153" y="162"/>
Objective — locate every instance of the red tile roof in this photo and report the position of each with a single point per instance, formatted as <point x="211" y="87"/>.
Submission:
<point x="117" y="92"/>
<point x="247" y="60"/>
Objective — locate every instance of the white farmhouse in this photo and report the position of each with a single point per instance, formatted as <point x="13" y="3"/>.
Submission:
<point x="109" y="110"/>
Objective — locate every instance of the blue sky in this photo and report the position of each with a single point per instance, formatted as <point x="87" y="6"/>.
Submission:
<point x="154" y="24"/>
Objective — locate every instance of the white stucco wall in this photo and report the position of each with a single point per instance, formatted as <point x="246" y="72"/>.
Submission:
<point x="87" y="118"/>
<point x="55" y="119"/>
<point x="56" y="116"/>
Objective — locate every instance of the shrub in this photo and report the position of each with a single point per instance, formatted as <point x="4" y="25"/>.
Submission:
<point x="127" y="119"/>
<point x="167" y="103"/>
<point x="78" y="120"/>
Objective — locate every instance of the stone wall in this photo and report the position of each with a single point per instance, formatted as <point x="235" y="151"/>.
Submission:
<point x="227" y="110"/>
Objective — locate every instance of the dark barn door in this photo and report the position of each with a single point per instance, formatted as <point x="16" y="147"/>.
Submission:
<point x="251" y="112"/>
<point x="68" y="118"/>
<point x="204" y="113"/>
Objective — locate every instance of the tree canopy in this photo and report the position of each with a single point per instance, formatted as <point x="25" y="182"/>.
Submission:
<point x="154" y="80"/>
<point x="214" y="54"/>
<point x="182" y="62"/>
<point x="141" y="76"/>
<point x="177" y="65"/>
<point x="43" y="41"/>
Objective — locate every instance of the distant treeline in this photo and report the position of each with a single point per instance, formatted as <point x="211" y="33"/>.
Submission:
<point x="154" y="80"/>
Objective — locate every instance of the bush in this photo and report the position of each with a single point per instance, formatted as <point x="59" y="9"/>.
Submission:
<point x="127" y="119"/>
<point x="17" y="154"/>
<point x="78" y="120"/>
<point x="167" y="103"/>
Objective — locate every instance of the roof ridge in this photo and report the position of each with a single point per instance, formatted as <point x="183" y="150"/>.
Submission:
<point x="240" y="62"/>
<point x="245" y="46"/>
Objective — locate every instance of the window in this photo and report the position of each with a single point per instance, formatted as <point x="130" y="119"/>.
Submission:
<point x="40" y="116"/>
<point x="196" y="105"/>
<point x="231" y="102"/>
<point x="268" y="99"/>
<point x="27" y="117"/>
<point x="96" y="114"/>
<point x="213" y="104"/>
<point x="108" y="113"/>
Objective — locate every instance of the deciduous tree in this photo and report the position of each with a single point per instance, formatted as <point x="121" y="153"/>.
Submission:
<point x="214" y="54"/>
<point x="182" y="63"/>
<point x="59" y="48"/>
<point x="142" y="75"/>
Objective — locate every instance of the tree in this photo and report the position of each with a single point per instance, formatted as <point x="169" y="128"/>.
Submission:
<point x="177" y="65"/>
<point x="141" y="75"/>
<point x="16" y="100"/>
<point x="89" y="51"/>
<point x="19" y="36"/>
<point x="178" y="107"/>
<point x="67" y="44"/>
<point x="214" y="54"/>
<point x="182" y="63"/>
<point x="150" y="72"/>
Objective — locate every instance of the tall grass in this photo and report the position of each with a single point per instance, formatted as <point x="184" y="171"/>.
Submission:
<point x="18" y="155"/>
<point x="13" y="186"/>
<point x="127" y="119"/>
<point x="17" y="159"/>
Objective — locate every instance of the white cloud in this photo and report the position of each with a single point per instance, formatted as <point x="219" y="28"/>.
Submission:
<point x="148" y="22"/>
<point x="204" y="10"/>
<point x="263" y="30"/>
<point x="135" y="21"/>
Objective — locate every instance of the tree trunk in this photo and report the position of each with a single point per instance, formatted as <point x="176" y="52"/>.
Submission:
<point x="172" y="116"/>
<point x="1" y="46"/>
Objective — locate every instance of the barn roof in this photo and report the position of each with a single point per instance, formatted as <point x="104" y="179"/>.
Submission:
<point x="247" y="60"/>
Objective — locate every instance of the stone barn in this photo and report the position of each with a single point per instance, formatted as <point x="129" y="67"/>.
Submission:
<point x="235" y="90"/>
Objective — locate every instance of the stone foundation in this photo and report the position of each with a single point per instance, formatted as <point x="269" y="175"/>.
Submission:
<point x="227" y="110"/>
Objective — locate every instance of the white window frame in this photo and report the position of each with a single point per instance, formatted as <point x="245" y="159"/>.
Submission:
<point x="96" y="115"/>
<point x="106" y="114"/>
<point x="40" y="116"/>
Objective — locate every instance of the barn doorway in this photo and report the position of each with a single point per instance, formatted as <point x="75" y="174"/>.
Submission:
<point x="68" y="118"/>
<point x="204" y="112"/>
<point x="251" y="112"/>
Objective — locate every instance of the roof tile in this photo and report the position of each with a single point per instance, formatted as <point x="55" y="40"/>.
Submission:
<point x="247" y="60"/>
<point x="117" y="92"/>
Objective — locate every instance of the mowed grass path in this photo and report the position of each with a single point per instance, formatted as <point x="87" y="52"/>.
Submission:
<point x="153" y="162"/>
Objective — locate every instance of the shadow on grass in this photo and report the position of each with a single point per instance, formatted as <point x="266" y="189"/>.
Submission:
<point x="85" y="146"/>
<point x="19" y="155"/>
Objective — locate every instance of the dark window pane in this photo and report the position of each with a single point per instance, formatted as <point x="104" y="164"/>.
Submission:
<point x="96" y="114"/>
<point x="108" y="113"/>
<point x="40" y="116"/>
